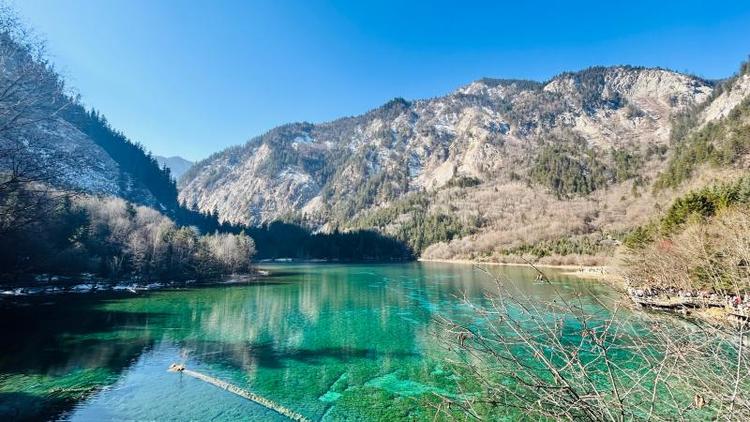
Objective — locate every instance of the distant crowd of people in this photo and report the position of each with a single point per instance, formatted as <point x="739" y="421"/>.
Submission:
<point x="738" y="302"/>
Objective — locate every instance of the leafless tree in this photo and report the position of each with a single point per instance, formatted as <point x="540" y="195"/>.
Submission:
<point x="577" y="358"/>
<point x="31" y="94"/>
<point x="231" y="251"/>
<point x="712" y="255"/>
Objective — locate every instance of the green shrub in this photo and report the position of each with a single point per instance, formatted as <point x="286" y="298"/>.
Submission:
<point x="463" y="182"/>
<point x="701" y="204"/>
<point x="571" y="168"/>
<point x="720" y="143"/>
<point x="592" y="244"/>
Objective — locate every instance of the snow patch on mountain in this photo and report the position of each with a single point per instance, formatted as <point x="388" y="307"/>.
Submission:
<point x="489" y="129"/>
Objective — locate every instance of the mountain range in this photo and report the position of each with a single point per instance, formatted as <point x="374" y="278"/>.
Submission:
<point x="492" y="167"/>
<point x="496" y="168"/>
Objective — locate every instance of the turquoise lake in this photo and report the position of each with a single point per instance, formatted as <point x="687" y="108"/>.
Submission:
<point x="333" y="342"/>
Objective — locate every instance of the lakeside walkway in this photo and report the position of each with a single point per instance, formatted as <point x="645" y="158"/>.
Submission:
<point x="737" y="308"/>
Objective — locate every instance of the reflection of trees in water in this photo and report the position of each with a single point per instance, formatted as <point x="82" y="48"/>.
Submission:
<point x="305" y="327"/>
<point x="352" y="308"/>
<point x="315" y="313"/>
<point x="334" y="317"/>
<point x="55" y="354"/>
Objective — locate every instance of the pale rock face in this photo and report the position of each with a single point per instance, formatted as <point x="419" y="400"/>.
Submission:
<point x="723" y="104"/>
<point x="74" y="160"/>
<point x="488" y="129"/>
<point x="293" y="187"/>
<point x="439" y="175"/>
<point x="70" y="160"/>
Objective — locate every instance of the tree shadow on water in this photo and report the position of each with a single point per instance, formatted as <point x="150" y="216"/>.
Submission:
<point x="17" y="406"/>
<point x="56" y="352"/>
<point x="245" y="355"/>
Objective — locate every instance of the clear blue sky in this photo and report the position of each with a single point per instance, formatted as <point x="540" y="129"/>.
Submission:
<point x="190" y="78"/>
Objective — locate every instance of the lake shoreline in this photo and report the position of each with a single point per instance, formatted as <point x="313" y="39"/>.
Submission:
<point x="59" y="285"/>
<point x="581" y="271"/>
<point x="82" y="285"/>
<point x="600" y="273"/>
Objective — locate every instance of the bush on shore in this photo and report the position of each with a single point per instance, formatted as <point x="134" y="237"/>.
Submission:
<point x="708" y="255"/>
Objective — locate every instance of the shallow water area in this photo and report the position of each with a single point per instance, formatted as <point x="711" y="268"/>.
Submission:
<point x="330" y="341"/>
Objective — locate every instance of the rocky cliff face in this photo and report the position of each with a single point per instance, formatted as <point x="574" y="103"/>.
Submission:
<point x="734" y="92"/>
<point x="69" y="159"/>
<point x="489" y="132"/>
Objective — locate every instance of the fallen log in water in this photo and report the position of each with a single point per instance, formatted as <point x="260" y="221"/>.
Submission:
<point x="240" y="392"/>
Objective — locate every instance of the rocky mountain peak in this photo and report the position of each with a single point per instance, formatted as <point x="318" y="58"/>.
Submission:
<point x="489" y="130"/>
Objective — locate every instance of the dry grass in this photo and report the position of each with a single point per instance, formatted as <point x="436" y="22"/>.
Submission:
<point x="517" y="214"/>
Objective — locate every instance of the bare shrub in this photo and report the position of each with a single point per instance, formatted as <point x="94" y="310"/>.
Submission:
<point x="231" y="251"/>
<point x="575" y="358"/>
<point x="706" y="255"/>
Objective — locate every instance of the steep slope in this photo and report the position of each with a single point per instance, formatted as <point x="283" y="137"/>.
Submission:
<point x="177" y="165"/>
<point x="704" y="148"/>
<point x="713" y="136"/>
<point x="71" y="159"/>
<point x="46" y="135"/>
<point x="727" y="96"/>
<point x="52" y="146"/>
<point x="483" y="142"/>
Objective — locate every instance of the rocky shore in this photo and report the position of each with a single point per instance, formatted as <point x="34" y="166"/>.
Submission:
<point x="55" y="285"/>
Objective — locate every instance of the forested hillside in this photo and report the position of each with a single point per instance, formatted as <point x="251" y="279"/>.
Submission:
<point x="557" y="169"/>
<point x="562" y="167"/>
<point x="136" y="165"/>
<point x="700" y="241"/>
<point x="77" y="196"/>
<point x="494" y="131"/>
<point x="62" y="169"/>
<point x="49" y="132"/>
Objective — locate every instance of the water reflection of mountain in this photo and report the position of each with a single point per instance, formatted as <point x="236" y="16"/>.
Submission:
<point x="307" y="336"/>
